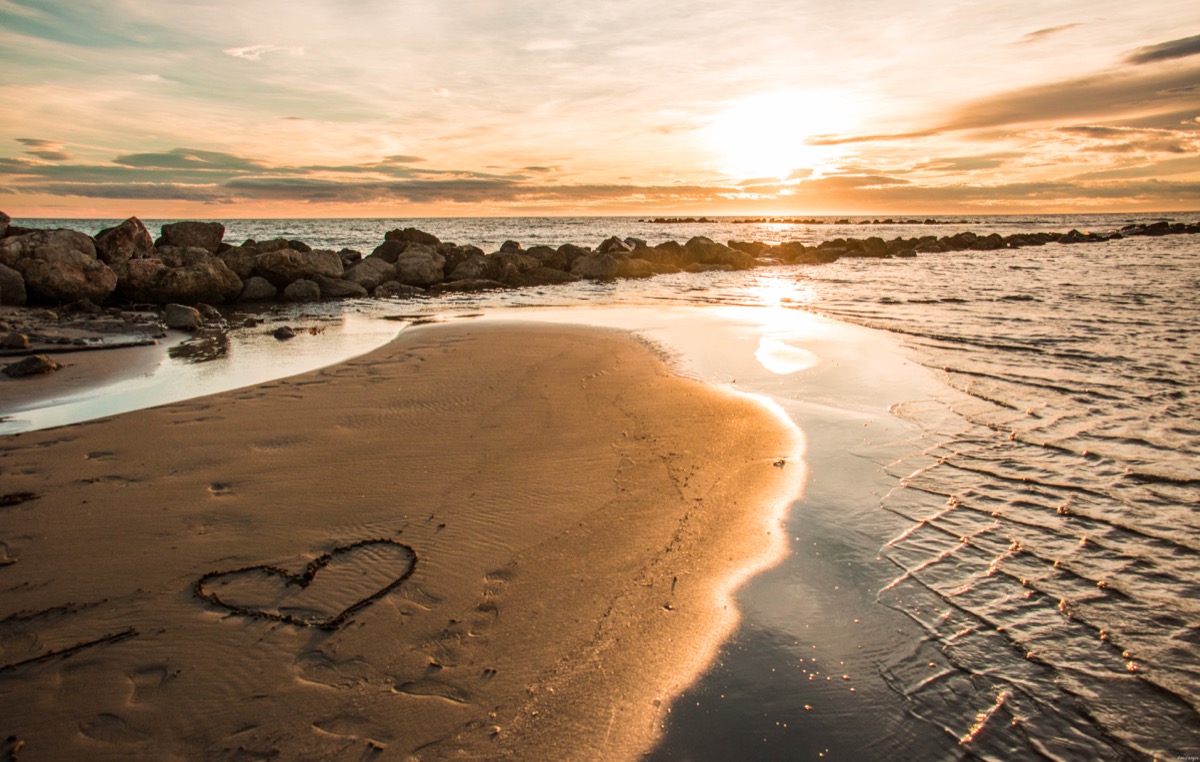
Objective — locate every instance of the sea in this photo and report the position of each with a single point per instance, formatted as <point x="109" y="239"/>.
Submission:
<point x="1017" y="575"/>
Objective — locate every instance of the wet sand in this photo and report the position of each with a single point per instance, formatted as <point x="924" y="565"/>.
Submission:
<point x="481" y="541"/>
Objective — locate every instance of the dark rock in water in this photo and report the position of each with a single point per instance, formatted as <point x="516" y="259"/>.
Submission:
<point x="300" y="246"/>
<point x="510" y="247"/>
<point x="874" y="247"/>
<point x="302" y="290"/>
<point x="14" y="340"/>
<point x="370" y="272"/>
<point x="129" y="240"/>
<point x="572" y="253"/>
<point x="389" y="251"/>
<point x="420" y="266"/>
<point x="519" y="260"/>
<point x="753" y="248"/>
<point x="614" y="245"/>
<point x="262" y="247"/>
<point x="539" y="276"/>
<point x="283" y="333"/>
<point x="82" y="307"/>
<point x="339" y="288"/>
<point x="549" y="257"/>
<point x="58" y="265"/>
<point x="412" y="235"/>
<point x="240" y="260"/>
<point x="456" y="255"/>
<point x="395" y="289"/>
<point x="468" y="286"/>
<point x="182" y="317"/>
<point x="12" y="287"/>
<point x="597" y="266"/>
<point x="209" y="312"/>
<point x="184" y="276"/>
<point x="636" y="268"/>
<point x="4" y="220"/>
<point x="200" y="235"/>
<point x="35" y="365"/>
<point x="257" y="289"/>
<point x="476" y="267"/>
<point x="284" y="266"/>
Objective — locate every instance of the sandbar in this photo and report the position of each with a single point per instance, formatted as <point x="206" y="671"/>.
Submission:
<point x="484" y="540"/>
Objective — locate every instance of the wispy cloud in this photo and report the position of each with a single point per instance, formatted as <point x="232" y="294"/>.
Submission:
<point x="50" y="150"/>
<point x="256" y="52"/>
<point x="1043" y="34"/>
<point x="1165" y="51"/>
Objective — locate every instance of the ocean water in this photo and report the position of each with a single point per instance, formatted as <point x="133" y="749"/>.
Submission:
<point x="1028" y="552"/>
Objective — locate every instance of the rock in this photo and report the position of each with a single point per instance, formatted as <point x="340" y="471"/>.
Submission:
<point x="240" y="260"/>
<point x="4" y="220"/>
<point x="510" y="247"/>
<point x="256" y="289"/>
<point x="420" y="266"/>
<point x="394" y="289"/>
<point x="284" y="266"/>
<point x="456" y="255"/>
<point x="412" y="235"/>
<point x="597" y="266"/>
<point x="82" y="307"/>
<point x="753" y="248"/>
<point x="58" y="265"/>
<point x="614" y="245"/>
<point x="637" y="243"/>
<point x="12" y="287"/>
<point x="468" y="286"/>
<point x="193" y="234"/>
<point x="519" y="260"/>
<point x="389" y="251"/>
<point x="34" y="365"/>
<point x="349" y="257"/>
<point x="182" y="317"/>
<point x="339" y="288"/>
<point x="262" y="247"/>
<point x="572" y="253"/>
<point x="283" y="333"/>
<point x="209" y="312"/>
<point x="544" y="276"/>
<point x="370" y="272"/>
<point x="549" y="257"/>
<point x="874" y="247"/>
<point x="302" y="290"/>
<point x="183" y="276"/>
<point x="129" y="240"/>
<point x="14" y="340"/>
<point x="476" y="267"/>
<point x="635" y="268"/>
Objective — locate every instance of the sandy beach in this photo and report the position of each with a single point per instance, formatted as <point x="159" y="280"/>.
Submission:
<point x="483" y="540"/>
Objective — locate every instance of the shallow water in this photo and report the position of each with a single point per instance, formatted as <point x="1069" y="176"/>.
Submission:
<point x="1004" y="564"/>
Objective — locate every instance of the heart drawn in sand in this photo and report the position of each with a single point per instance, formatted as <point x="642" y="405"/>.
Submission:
<point x="331" y="588"/>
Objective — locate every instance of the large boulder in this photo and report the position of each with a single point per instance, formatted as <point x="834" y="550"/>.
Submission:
<point x="181" y="317"/>
<point x="35" y="365"/>
<point x="456" y="255"/>
<point x="549" y="257"/>
<point x="339" y="288"/>
<point x="389" y="251"/>
<point x="614" y="245"/>
<point x="193" y="234"/>
<point x="597" y="266"/>
<point x="4" y="220"/>
<point x="420" y="266"/>
<point x="12" y="287"/>
<point x="283" y="266"/>
<point x="476" y="267"/>
<point x="517" y="259"/>
<point x="370" y="272"/>
<point x="180" y="275"/>
<point x="635" y="268"/>
<point x="572" y="253"/>
<point x="302" y="290"/>
<point x="239" y="259"/>
<point x="256" y="289"/>
<point x="58" y="266"/>
<point x="412" y="235"/>
<point x="130" y="240"/>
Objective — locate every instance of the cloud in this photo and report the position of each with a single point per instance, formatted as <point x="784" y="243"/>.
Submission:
<point x="189" y="158"/>
<point x="1042" y="34"/>
<point x="256" y="52"/>
<point x="1181" y="48"/>
<point x="547" y="45"/>
<point x="50" y="150"/>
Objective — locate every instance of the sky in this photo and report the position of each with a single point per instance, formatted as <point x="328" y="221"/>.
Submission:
<point x="411" y="108"/>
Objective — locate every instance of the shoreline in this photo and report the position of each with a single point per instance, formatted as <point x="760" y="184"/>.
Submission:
<point x="532" y="618"/>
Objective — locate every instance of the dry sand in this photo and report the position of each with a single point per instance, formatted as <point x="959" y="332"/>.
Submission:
<point x="516" y="539"/>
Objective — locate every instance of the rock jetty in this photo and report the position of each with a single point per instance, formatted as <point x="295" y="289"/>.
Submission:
<point x="191" y="264"/>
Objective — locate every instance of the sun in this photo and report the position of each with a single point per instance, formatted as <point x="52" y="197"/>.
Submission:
<point x="767" y="135"/>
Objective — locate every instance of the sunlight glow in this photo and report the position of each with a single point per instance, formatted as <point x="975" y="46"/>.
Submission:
<point x="766" y="135"/>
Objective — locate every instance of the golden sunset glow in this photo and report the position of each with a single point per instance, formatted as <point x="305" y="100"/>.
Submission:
<point x="310" y="108"/>
<point x="768" y="135"/>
